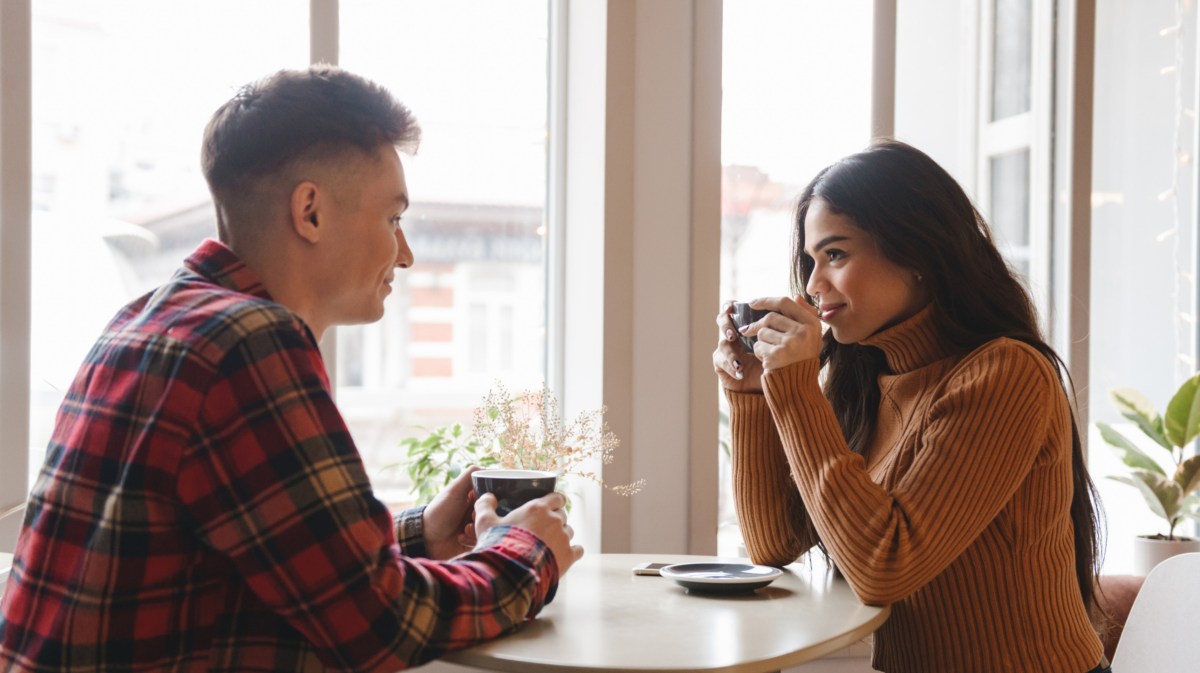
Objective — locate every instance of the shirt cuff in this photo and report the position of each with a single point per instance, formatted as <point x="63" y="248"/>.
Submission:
<point x="410" y="532"/>
<point x="533" y="553"/>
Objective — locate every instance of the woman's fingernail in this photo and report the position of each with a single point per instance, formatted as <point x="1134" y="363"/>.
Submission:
<point x="729" y="335"/>
<point x="743" y="328"/>
<point x="738" y="375"/>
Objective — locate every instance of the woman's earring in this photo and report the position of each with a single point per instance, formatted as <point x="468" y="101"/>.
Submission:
<point x="920" y="278"/>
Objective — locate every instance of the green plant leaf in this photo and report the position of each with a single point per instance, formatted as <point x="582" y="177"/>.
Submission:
<point x="1134" y="406"/>
<point x="1163" y="495"/>
<point x="1182" y="421"/>
<point x="1130" y="454"/>
<point x="1191" y="508"/>
<point x="1188" y="476"/>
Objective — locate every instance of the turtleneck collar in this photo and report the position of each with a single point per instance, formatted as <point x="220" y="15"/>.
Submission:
<point x="911" y="344"/>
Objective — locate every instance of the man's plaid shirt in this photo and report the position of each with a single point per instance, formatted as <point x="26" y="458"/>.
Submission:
<point x="202" y="507"/>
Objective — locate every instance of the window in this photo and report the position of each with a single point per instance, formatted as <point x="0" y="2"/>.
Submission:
<point x="120" y="98"/>
<point x="121" y="94"/>
<point x="797" y="92"/>
<point x="1143" y="285"/>
<point x="471" y="311"/>
<point x="1013" y="160"/>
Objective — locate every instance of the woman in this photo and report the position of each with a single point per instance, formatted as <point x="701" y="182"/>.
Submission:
<point x="940" y="468"/>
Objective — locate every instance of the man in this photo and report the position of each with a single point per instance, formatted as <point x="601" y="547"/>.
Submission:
<point x="202" y="505"/>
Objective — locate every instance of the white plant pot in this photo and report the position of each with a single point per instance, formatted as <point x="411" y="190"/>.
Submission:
<point x="1149" y="552"/>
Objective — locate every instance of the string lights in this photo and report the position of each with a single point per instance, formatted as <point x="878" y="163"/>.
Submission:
<point x="1185" y="318"/>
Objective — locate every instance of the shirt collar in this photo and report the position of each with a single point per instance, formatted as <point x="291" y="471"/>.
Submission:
<point x="911" y="344"/>
<point x="216" y="262"/>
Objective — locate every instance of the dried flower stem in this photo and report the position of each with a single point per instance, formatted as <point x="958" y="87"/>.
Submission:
<point x="526" y="431"/>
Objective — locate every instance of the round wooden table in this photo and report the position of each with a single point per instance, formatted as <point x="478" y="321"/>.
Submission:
<point x="605" y="618"/>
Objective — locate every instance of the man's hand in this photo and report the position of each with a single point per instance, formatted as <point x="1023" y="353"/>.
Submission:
<point x="545" y="517"/>
<point x="448" y="529"/>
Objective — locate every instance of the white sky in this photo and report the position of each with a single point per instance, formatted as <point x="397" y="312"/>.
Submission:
<point x="796" y="85"/>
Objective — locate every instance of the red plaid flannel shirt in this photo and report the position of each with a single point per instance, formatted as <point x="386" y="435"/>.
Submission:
<point x="203" y="507"/>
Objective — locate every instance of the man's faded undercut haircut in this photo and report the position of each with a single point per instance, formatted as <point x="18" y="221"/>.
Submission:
<point x="315" y="114"/>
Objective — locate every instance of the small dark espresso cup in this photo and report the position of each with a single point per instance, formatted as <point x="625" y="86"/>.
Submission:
<point x="513" y="488"/>
<point x="744" y="315"/>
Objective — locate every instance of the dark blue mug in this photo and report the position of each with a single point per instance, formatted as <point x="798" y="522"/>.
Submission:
<point x="513" y="488"/>
<point x="744" y="315"/>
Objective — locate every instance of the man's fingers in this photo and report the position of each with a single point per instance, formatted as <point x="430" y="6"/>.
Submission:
<point x="486" y="504"/>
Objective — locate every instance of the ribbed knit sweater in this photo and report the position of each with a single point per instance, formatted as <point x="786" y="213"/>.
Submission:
<point x="958" y="518"/>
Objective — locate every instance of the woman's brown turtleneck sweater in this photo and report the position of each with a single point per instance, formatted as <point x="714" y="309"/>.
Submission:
<point x="959" y="518"/>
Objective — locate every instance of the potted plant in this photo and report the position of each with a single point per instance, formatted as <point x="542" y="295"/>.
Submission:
<point x="1170" y="483"/>
<point x="521" y="431"/>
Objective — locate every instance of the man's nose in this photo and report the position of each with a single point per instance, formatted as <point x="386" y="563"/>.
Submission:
<point x="404" y="254"/>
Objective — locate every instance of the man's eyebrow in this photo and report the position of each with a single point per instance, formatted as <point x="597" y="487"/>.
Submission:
<point x="827" y="240"/>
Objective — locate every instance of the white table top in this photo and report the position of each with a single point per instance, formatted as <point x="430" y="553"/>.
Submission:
<point x="605" y="618"/>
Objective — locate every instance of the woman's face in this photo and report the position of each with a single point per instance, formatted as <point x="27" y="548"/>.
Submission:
<point x="860" y="292"/>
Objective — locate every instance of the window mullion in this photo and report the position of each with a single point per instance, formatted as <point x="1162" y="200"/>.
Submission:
<point x="15" y="256"/>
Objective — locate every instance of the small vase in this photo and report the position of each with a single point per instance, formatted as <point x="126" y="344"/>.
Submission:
<point x="1149" y="552"/>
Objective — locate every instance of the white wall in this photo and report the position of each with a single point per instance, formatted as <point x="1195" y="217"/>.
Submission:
<point x="935" y="75"/>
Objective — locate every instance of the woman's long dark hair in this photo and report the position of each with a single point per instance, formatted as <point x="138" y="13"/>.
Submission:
<point x="922" y="220"/>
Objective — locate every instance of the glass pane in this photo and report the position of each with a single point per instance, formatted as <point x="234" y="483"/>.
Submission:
<point x="471" y="310"/>
<point x="1012" y="46"/>
<point x="1143" y="308"/>
<point x="1010" y="198"/>
<point x="1009" y="218"/>
<point x="121" y="94"/>
<point x="797" y="96"/>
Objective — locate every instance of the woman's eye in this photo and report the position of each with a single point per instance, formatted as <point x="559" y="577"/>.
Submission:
<point x="395" y="221"/>
<point x="834" y="255"/>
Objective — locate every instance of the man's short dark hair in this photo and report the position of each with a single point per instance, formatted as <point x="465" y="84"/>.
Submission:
<point x="315" y="113"/>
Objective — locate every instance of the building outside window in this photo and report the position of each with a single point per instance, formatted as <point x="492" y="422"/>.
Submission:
<point x="471" y="311"/>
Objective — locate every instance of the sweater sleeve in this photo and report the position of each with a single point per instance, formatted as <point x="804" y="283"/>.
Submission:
<point x="774" y="525"/>
<point x="975" y="447"/>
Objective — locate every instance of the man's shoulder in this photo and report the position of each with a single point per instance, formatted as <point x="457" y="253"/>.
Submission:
<point x="205" y="316"/>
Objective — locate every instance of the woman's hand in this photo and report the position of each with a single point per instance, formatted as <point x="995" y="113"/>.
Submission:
<point x="790" y="334"/>
<point x="736" y="369"/>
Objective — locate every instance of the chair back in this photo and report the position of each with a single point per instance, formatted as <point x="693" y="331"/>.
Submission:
<point x="1160" y="634"/>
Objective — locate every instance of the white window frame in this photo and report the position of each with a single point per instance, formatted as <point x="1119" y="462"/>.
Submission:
<point x="1075" y="44"/>
<point x="1027" y="131"/>
<point x="640" y="200"/>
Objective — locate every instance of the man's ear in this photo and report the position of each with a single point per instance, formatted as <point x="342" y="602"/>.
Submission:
<point x="304" y="209"/>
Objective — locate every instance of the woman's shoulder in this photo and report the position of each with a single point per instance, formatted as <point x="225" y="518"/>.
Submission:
<point x="1005" y="358"/>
